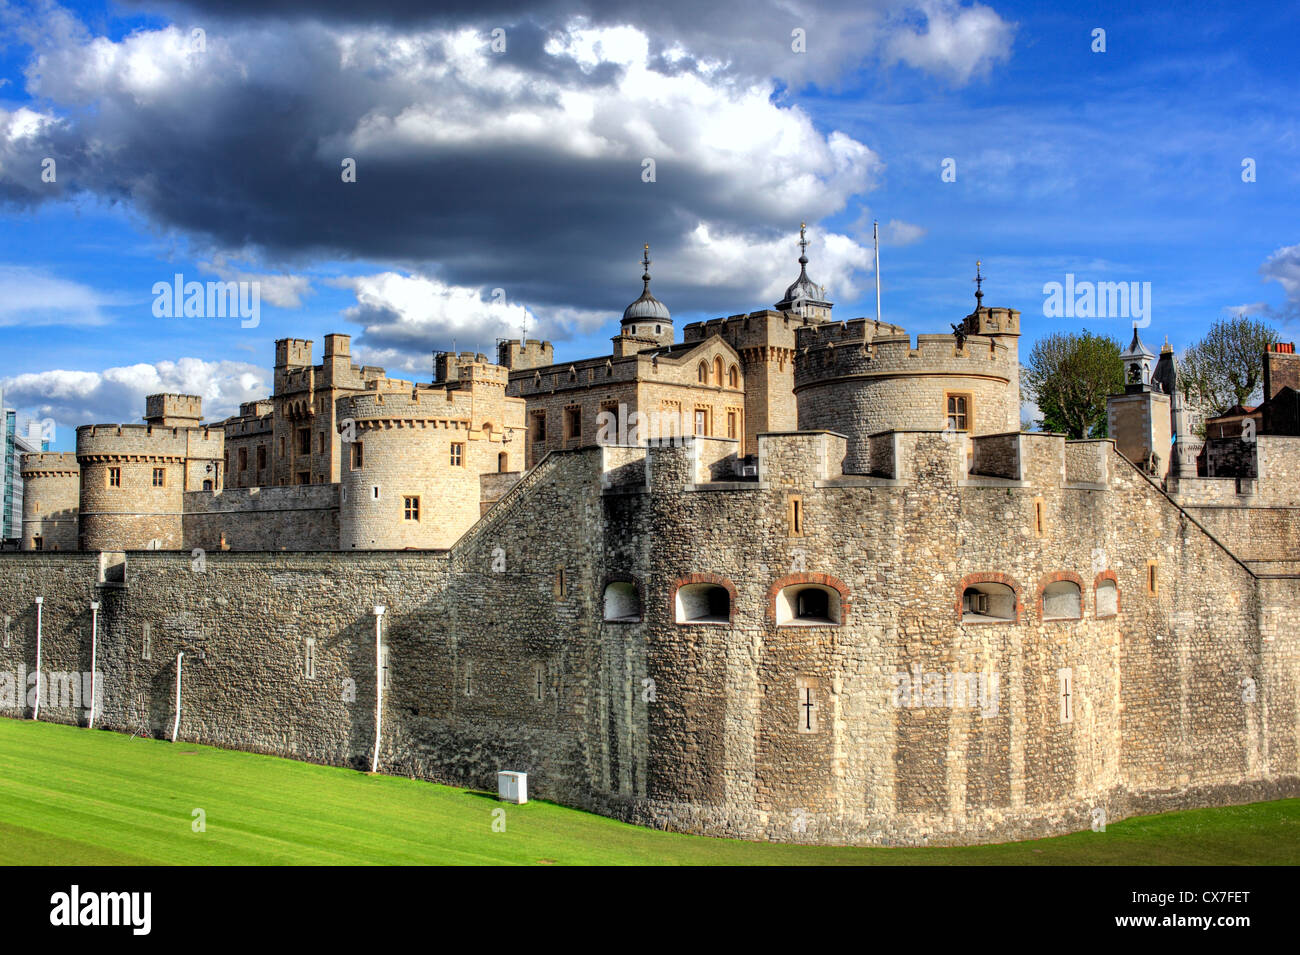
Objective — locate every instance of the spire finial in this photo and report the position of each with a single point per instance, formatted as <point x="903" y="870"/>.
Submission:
<point x="645" y="265"/>
<point x="803" y="245"/>
<point x="979" y="281"/>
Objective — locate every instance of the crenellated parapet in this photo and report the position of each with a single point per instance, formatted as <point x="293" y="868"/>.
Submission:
<point x="861" y="377"/>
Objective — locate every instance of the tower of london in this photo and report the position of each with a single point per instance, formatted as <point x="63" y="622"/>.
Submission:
<point x="790" y="577"/>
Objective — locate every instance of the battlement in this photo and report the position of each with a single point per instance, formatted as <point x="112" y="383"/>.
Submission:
<point x="531" y="354"/>
<point x="257" y="409"/>
<point x="837" y="349"/>
<point x="170" y="410"/>
<point x="292" y="352"/>
<point x="763" y="327"/>
<point x="49" y="464"/>
<point x="447" y="365"/>
<point x="422" y="404"/>
<point x="338" y="345"/>
<point x="127" y="440"/>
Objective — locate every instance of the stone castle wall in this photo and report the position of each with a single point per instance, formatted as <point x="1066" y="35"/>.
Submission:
<point x="499" y="654"/>
<point x="300" y="518"/>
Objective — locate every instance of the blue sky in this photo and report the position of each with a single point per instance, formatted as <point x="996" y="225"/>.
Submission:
<point x="522" y="170"/>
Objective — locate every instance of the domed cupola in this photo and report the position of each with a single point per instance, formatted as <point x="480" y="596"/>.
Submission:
<point x="804" y="297"/>
<point x="648" y="319"/>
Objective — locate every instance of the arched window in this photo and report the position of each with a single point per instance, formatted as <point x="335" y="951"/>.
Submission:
<point x="733" y="377"/>
<point x="703" y="603"/>
<point x="1107" y="598"/>
<point x="987" y="602"/>
<point x="207" y="484"/>
<point x="717" y="371"/>
<point x="704" y="373"/>
<point x="808" y="605"/>
<point x="503" y="463"/>
<point x="622" y="603"/>
<point x="1062" y="600"/>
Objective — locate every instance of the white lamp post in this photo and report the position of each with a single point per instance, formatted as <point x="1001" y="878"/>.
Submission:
<point x="94" y="655"/>
<point x="379" y="684"/>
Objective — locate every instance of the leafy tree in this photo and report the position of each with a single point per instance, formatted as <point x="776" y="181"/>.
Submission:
<point x="1069" y="376"/>
<point x="1226" y="367"/>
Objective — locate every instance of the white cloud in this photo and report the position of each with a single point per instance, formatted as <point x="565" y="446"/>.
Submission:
<point x="1283" y="267"/>
<point x="898" y="233"/>
<point x="955" y="42"/>
<point x="116" y="395"/>
<point x="31" y="296"/>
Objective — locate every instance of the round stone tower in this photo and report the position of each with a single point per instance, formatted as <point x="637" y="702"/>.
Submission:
<point x="51" y="497"/>
<point x="411" y="477"/>
<point x="859" y="378"/>
<point x="132" y="486"/>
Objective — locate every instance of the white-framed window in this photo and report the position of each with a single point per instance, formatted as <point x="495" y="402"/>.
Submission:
<point x="309" y="658"/>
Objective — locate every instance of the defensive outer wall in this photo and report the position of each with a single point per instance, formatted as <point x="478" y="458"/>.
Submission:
<point x="498" y="654"/>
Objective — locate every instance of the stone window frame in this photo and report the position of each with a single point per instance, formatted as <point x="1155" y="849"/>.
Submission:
<point x="114" y="477"/>
<point x="815" y="579"/>
<point x="702" y="373"/>
<point x="572" y="427"/>
<point x="309" y="658"/>
<point x="794" y="515"/>
<point x="733" y="376"/>
<point x="1153" y="577"/>
<point x="719" y="368"/>
<point x="146" y="641"/>
<point x="636" y="588"/>
<point x="160" y="477"/>
<point x="304" y="433"/>
<point x="536" y="434"/>
<point x="242" y="456"/>
<point x="713" y="579"/>
<point x="988" y="577"/>
<point x="1096" y="585"/>
<point x="560" y="586"/>
<point x="261" y="458"/>
<point x="707" y="411"/>
<point x="808" y="722"/>
<point x="539" y="682"/>
<point x="970" y="410"/>
<point x="7" y="621"/>
<point x="356" y="460"/>
<point x="733" y="423"/>
<point x="411" y="508"/>
<point x="457" y="454"/>
<point x="1054" y="578"/>
<point x="1040" y="517"/>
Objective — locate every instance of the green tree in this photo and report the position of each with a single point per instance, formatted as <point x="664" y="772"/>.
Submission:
<point x="1226" y="367"/>
<point x="1069" y="376"/>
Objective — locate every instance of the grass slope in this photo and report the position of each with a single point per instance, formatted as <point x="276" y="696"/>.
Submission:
<point x="71" y="796"/>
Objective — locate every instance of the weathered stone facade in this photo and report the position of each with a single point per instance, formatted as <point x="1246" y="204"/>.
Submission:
<point x="51" y="499"/>
<point x="1181" y="691"/>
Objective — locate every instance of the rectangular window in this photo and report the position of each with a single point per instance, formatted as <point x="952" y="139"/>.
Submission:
<point x="310" y="658"/>
<point x="261" y="457"/>
<point x="146" y="642"/>
<point x="38" y="543"/>
<point x="114" y="477"/>
<point x="1040" y="517"/>
<point x="1153" y="580"/>
<point x="281" y="445"/>
<point x="959" y="412"/>
<point x="701" y="421"/>
<point x="457" y="455"/>
<point x="304" y="441"/>
<point x="796" y="515"/>
<point x="539" y="426"/>
<point x="411" y="508"/>
<point x="383" y="666"/>
<point x="539" y="681"/>
<point x="6" y="631"/>
<point x="572" y="423"/>
<point x="469" y="679"/>
<point x="731" y="424"/>
<point x="320" y="443"/>
<point x="561" y="585"/>
<point x="304" y="477"/>
<point x="1066" y="677"/>
<point x="243" y="459"/>
<point x="357" y="455"/>
<point x="160" y="476"/>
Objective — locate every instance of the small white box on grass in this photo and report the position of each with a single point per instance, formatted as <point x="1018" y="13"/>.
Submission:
<point x="512" y="787"/>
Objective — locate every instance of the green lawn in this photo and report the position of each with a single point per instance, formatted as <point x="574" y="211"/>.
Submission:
<point x="72" y="796"/>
